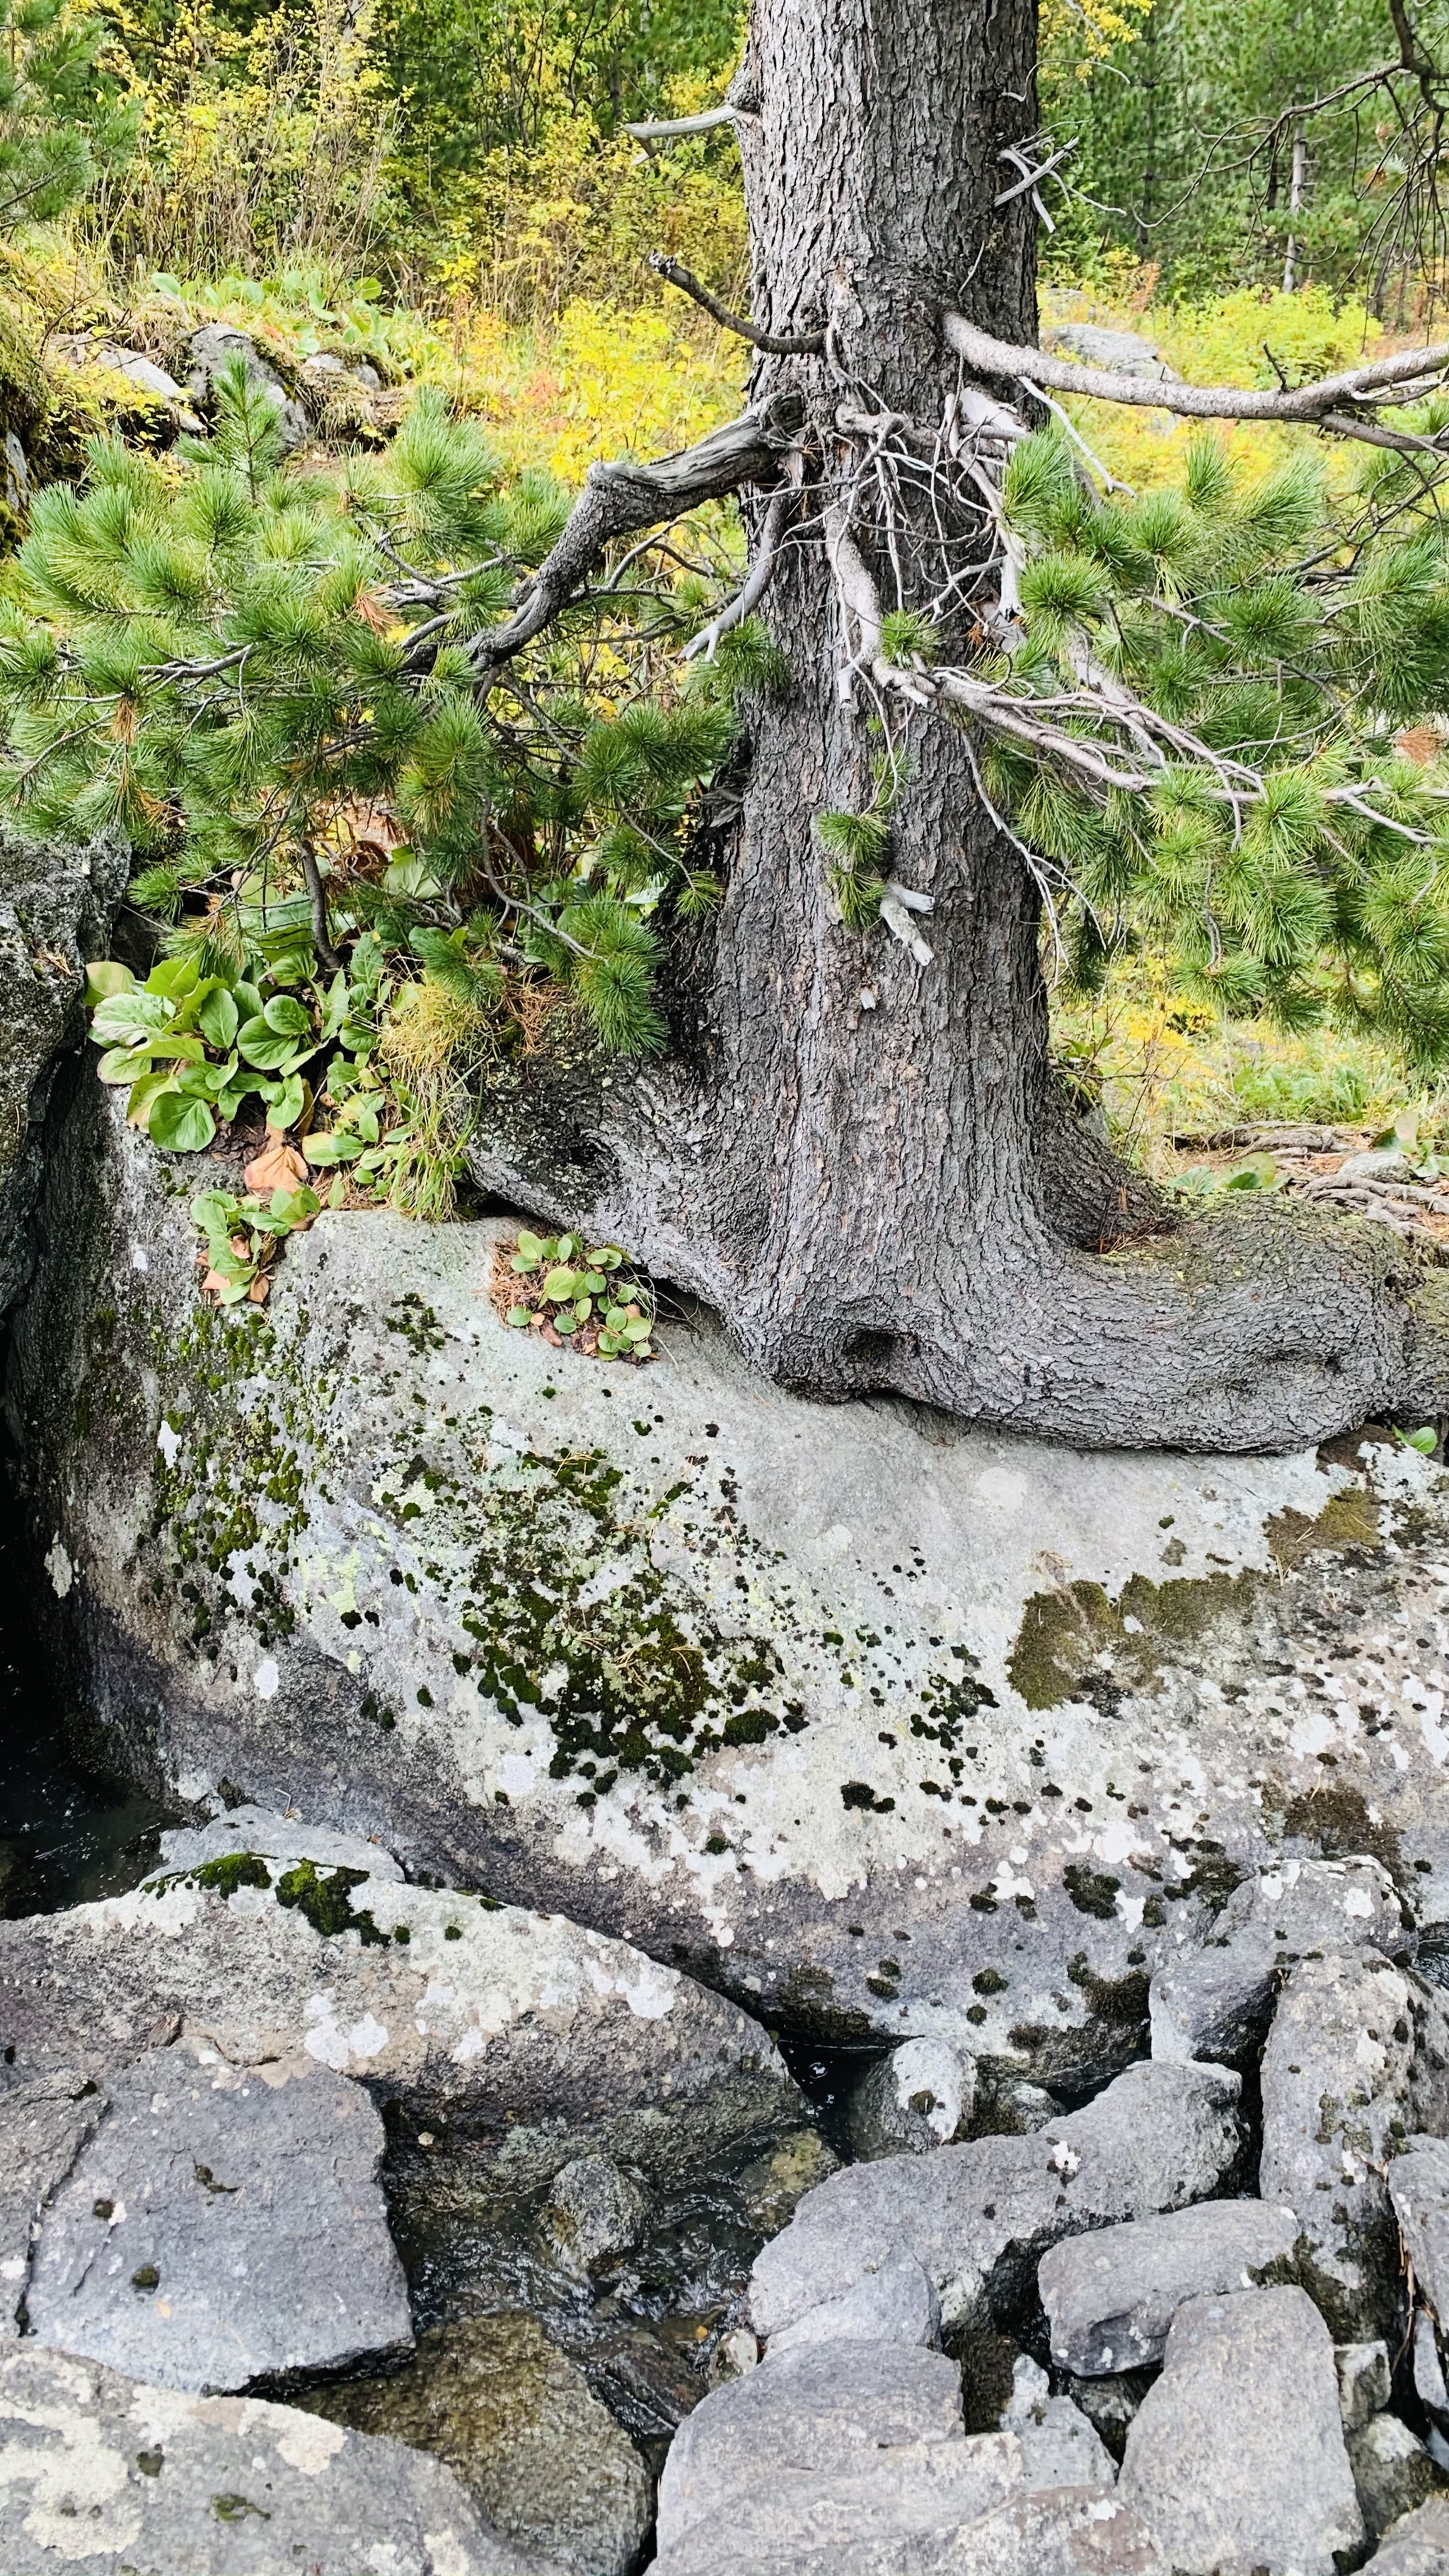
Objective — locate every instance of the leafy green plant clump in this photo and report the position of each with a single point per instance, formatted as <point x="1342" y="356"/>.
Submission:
<point x="588" y="1297"/>
<point x="241" y="1237"/>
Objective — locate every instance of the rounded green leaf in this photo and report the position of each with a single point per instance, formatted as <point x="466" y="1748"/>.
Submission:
<point x="218" y="1018"/>
<point x="565" y="1324"/>
<point x="530" y="1246"/>
<point x="106" y="977"/>
<point x="639" y="1330"/>
<point x="287" y="1016"/>
<point x="518" y="1316"/>
<point x="129" y="1018"/>
<point x="583" y="1308"/>
<point x="560" y="1286"/>
<point x="262" y="1046"/>
<point x="566" y="1247"/>
<point x="179" y="1125"/>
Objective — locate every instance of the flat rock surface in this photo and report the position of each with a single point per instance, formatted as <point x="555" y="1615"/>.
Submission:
<point x="219" y="2226"/>
<point x="1336" y="2079"/>
<point x="1419" y="2191"/>
<point x="1211" y="1996"/>
<point x="1106" y="1687"/>
<point x="44" y="2122"/>
<point x="455" y="2005"/>
<point x="975" y="2217"/>
<point x="514" y="2417"/>
<point x="1236" y="2457"/>
<point x="105" y="2475"/>
<point x="1111" y="2296"/>
<point x="897" y="2304"/>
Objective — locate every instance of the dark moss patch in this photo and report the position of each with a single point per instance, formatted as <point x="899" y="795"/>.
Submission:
<point x="326" y="1901"/>
<point x="1121" y="2001"/>
<point x="233" y="1870"/>
<point x="1335" y="1820"/>
<point x="1092" y="1891"/>
<point x="1348" y="1519"/>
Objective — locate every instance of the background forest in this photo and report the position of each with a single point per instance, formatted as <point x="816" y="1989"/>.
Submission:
<point x="447" y="190"/>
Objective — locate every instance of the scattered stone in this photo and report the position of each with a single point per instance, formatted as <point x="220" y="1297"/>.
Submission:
<point x="1336" y="2097"/>
<point x="218" y="2228"/>
<point x="1429" y="2384"/>
<point x="593" y="2213"/>
<point x="104" y="2475"/>
<point x="517" y="2422"/>
<point x="1111" y="2296"/>
<point x="919" y="2097"/>
<point x="1125" y="353"/>
<point x="734" y="2354"/>
<point x="558" y="2039"/>
<point x="1014" y="2107"/>
<point x="773" y="2185"/>
<point x="1364" y="2381"/>
<point x="1211" y="1996"/>
<point x="214" y="347"/>
<point x="1110" y="2403"/>
<point x="897" y="2304"/>
<point x="1416" y="2546"/>
<point x="1059" y="2447"/>
<point x="1419" y="2192"/>
<point x="1392" y="2471"/>
<point x="910" y="2507"/>
<point x="977" y="2217"/>
<point x="1236" y="2458"/>
<point x="44" y="2123"/>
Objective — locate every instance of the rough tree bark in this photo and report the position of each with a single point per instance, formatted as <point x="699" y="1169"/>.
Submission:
<point x="861" y="1159"/>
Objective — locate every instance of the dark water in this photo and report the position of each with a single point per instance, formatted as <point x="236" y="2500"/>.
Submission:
<point x="67" y="1834"/>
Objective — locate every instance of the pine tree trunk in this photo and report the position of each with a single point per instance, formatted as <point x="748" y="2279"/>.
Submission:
<point x="861" y="1160"/>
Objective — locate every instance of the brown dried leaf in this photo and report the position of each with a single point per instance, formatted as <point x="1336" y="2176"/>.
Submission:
<point x="276" y="1167"/>
<point x="259" y="1291"/>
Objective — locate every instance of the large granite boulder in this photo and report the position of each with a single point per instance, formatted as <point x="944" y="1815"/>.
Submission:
<point x="56" y="908"/>
<point x="896" y="1728"/>
<point x="106" y="2476"/>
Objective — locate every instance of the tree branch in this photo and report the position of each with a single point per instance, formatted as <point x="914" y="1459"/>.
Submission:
<point x="746" y="599"/>
<point x="1316" y="406"/>
<point x="809" y="344"/>
<point x="617" y="499"/>
<point x="659" y="129"/>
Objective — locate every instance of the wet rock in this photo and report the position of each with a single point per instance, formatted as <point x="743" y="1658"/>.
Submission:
<point x="1392" y="2471"/>
<point x="1212" y="1996"/>
<point x="1363" y="2382"/>
<point x="773" y="2185"/>
<point x="977" y="2217"/>
<point x="1336" y="2098"/>
<point x="515" y="2419"/>
<point x="219" y="2227"/>
<point x="1236" y="2458"/>
<point x="216" y="346"/>
<point x="897" y="2304"/>
<point x="919" y="2097"/>
<point x="1006" y="1881"/>
<point x="593" y="2213"/>
<point x="1418" y="2545"/>
<point x="56" y="907"/>
<point x="734" y="2354"/>
<point x="105" y="2475"/>
<point x="1059" y="2446"/>
<point x="44" y="2123"/>
<point x="561" y="2040"/>
<point x="1111" y="2296"/>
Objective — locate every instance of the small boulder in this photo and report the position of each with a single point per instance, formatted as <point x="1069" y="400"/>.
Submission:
<point x="1111" y="2296"/>
<point x="772" y="2186"/>
<point x="1392" y="2471"/>
<point x="517" y="2422"/>
<point x="1110" y="2403"/>
<point x="976" y="2217"/>
<point x="1212" y="1996"/>
<point x="1059" y="2447"/>
<point x="214" y="347"/>
<point x="593" y="2214"/>
<point x="106" y="2473"/>
<point x="1418" y="2545"/>
<point x="1236" y="2459"/>
<point x="220" y="2227"/>
<point x="919" y="2097"/>
<point x="1337" y="2082"/>
<point x="897" y="2304"/>
<point x="1419" y="2192"/>
<point x="1364" y="2381"/>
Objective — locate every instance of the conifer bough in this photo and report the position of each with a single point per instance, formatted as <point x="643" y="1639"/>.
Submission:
<point x="1023" y="714"/>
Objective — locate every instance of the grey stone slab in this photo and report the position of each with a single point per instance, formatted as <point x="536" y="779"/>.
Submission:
<point x="1364" y="2379"/>
<point x="1393" y="2472"/>
<point x="822" y="2410"/>
<point x="977" y="2216"/>
<point x="1236" y="2457"/>
<point x="541" y="2457"/>
<point x="218" y="2227"/>
<point x="1058" y="2531"/>
<point x="920" y="2096"/>
<point x="1059" y="2446"/>
<point x="1419" y="2191"/>
<point x="1211" y="1996"/>
<point x="217" y="346"/>
<point x="887" y="2519"/>
<point x="897" y="2304"/>
<point x="1336" y="2080"/>
<point x="1418" y="2545"/>
<point x="44" y="2122"/>
<point x="1111" y="2296"/>
<point x="555" y="2038"/>
<point x="1209" y="1599"/>
<point x="280" y="1838"/>
<point x="107" y="2476"/>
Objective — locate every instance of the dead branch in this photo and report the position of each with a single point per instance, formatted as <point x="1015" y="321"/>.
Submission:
<point x="660" y="129"/>
<point x="753" y="591"/>
<point x="1316" y="406"/>
<point x="809" y="344"/>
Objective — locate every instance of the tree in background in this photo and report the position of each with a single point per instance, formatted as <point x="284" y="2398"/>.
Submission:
<point x="770" y="924"/>
<point x="64" y="118"/>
